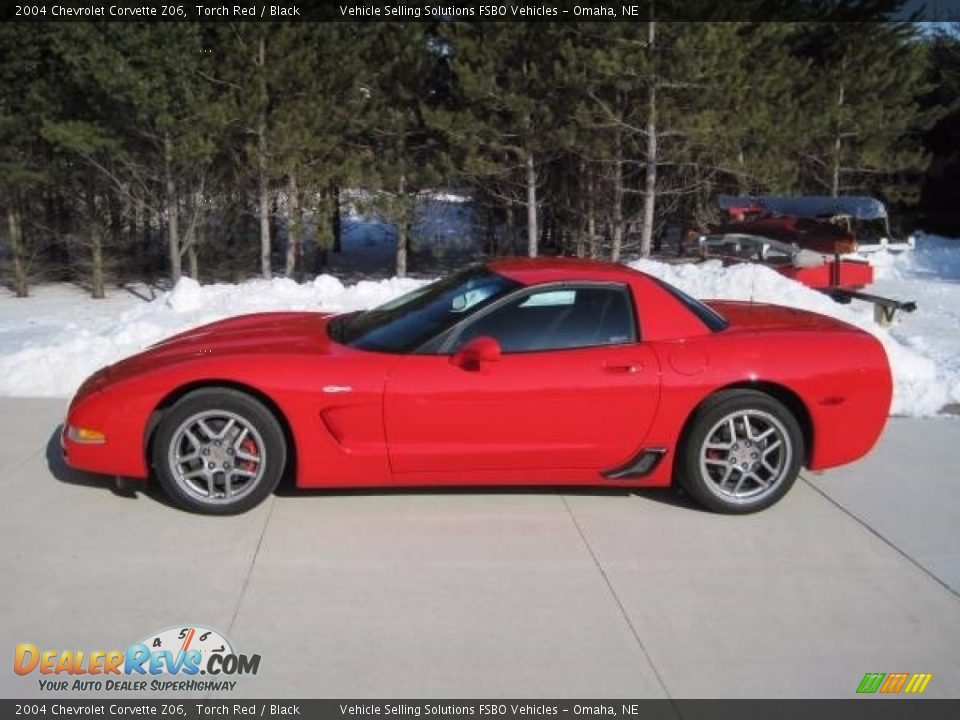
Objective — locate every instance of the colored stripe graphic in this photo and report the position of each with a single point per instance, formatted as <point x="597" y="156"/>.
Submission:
<point x="871" y="682"/>
<point x="894" y="683"/>
<point x="918" y="682"/>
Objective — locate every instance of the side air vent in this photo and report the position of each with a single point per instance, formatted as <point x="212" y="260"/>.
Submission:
<point x="638" y="466"/>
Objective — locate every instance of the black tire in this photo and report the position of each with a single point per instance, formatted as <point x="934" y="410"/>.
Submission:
<point x="264" y="444"/>
<point x="709" y="474"/>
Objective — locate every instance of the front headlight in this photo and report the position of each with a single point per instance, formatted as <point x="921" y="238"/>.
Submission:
<point x="85" y="436"/>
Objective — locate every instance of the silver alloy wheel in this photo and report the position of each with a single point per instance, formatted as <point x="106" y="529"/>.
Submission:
<point x="746" y="455"/>
<point x="217" y="456"/>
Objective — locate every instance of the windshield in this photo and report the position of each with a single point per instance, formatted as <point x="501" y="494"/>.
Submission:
<point x="407" y="322"/>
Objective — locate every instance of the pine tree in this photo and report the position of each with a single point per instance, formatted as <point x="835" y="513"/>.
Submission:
<point x="149" y="123"/>
<point x="502" y="120"/>
<point x="665" y="113"/>
<point x="733" y="94"/>
<point x="401" y="156"/>
<point x="938" y="210"/>
<point x="30" y="95"/>
<point x="865" y="120"/>
<point x="320" y="101"/>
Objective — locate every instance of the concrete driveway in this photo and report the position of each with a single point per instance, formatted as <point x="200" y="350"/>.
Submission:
<point x="550" y="594"/>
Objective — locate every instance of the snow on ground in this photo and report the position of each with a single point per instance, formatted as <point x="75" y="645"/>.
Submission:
<point x="51" y="341"/>
<point x="931" y="276"/>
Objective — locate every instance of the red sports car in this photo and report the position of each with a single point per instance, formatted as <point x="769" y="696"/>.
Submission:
<point x="518" y="372"/>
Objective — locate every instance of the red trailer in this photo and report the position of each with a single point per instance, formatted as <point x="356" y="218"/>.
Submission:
<point x="842" y="278"/>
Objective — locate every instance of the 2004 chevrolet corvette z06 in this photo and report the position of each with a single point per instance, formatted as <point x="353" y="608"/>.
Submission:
<point x="518" y="372"/>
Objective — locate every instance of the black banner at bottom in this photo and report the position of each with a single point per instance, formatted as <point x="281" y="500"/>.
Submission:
<point x="855" y="709"/>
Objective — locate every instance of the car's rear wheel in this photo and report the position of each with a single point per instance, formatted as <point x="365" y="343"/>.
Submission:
<point x="743" y="452"/>
<point x="218" y="451"/>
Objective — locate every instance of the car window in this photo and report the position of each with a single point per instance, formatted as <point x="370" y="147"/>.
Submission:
<point x="552" y="298"/>
<point x="412" y="319"/>
<point x="556" y="319"/>
<point x="710" y="317"/>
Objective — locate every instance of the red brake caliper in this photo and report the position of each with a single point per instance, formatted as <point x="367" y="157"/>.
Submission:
<point x="249" y="447"/>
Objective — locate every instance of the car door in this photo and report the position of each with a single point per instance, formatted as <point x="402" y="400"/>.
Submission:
<point x="573" y="388"/>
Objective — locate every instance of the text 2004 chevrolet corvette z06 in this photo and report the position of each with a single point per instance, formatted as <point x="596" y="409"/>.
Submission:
<point x="519" y="372"/>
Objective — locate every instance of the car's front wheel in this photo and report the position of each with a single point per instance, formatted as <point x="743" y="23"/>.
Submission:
<point x="218" y="451"/>
<point x="742" y="453"/>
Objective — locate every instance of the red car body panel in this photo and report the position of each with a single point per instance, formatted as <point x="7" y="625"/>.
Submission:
<point x="522" y="412"/>
<point x="359" y="418"/>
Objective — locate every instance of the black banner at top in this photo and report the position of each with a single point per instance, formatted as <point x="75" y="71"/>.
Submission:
<point x="446" y="10"/>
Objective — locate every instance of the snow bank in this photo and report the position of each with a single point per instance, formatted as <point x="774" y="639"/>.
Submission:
<point x="935" y="258"/>
<point x="52" y="359"/>
<point x="68" y="336"/>
<point x="930" y="275"/>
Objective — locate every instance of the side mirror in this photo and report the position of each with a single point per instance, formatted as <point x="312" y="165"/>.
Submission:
<point x="482" y="349"/>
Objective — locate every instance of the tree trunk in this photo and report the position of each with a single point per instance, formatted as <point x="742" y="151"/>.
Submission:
<point x="135" y="263"/>
<point x="263" y="194"/>
<point x="532" y="232"/>
<point x="193" y="262"/>
<point x="402" y="236"/>
<point x="97" y="289"/>
<point x="617" y="219"/>
<point x="650" y="181"/>
<point x="173" y="215"/>
<point x="192" y="239"/>
<point x="335" y="220"/>
<point x="580" y="247"/>
<point x="591" y="219"/>
<point x="263" y="203"/>
<point x="117" y="208"/>
<point x="837" y="145"/>
<point x="17" y="251"/>
<point x="293" y="226"/>
<point x="489" y="235"/>
<point x="141" y="220"/>
<point x="95" y="240"/>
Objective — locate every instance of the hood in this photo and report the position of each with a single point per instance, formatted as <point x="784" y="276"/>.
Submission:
<point x="766" y="318"/>
<point x="271" y="332"/>
<point x="261" y="333"/>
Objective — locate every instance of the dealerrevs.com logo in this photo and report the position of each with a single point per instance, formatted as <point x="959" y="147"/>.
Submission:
<point x="168" y="661"/>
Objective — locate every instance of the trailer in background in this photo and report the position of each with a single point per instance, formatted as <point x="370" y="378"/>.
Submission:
<point x="842" y="278"/>
<point x="845" y="224"/>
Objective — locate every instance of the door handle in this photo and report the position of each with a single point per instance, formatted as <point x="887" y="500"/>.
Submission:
<point x="623" y="369"/>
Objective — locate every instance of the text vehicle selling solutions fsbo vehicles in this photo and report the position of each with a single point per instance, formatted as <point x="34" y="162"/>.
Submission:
<point x="518" y="372"/>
